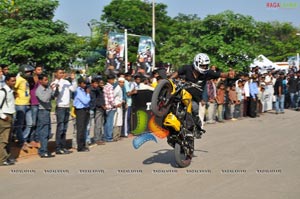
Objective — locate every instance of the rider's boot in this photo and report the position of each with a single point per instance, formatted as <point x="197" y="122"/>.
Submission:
<point x="199" y="131"/>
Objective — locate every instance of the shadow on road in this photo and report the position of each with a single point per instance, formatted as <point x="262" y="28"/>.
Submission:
<point x="165" y="156"/>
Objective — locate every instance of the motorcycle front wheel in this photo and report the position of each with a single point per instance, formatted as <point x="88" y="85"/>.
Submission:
<point x="160" y="102"/>
<point x="181" y="157"/>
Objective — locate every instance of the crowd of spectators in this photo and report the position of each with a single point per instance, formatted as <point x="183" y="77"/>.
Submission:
<point x="100" y="106"/>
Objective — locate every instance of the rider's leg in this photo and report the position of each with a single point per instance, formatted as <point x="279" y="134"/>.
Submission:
<point x="198" y="113"/>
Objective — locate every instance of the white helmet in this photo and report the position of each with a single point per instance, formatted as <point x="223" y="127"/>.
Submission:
<point x="201" y="62"/>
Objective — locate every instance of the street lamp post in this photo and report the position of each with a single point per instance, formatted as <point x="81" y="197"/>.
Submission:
<point x="153" y="32"/>
<point x="91" y="34"/>
<point x="298" y="61"/>
<point x="126" y="51"/>
<point x="91" y="30"/>
<point x="126" y="47"/>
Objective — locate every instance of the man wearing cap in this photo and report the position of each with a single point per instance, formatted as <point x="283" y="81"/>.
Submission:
<point x="23" y="109"/>
<point x="119" y="100"/>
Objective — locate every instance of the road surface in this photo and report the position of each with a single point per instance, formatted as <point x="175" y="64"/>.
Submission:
<point x="253" y="158"/>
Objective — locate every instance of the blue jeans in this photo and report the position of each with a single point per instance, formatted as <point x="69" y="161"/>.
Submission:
<point x="237" y="109"/>
<point x="62" y="118"/>
<point x="34" y="110"/>
<point x="232" y="108"/>
<point x="279" y="105"/>
<point x="43" y="130"/>
<point x="293" y="97"/>
<point x="109" y="125"/>
<point x="23" y="116"/>
<point x="298" y="99"/>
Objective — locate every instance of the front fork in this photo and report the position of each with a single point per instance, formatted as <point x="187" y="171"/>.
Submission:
<point x="185" y="139"/>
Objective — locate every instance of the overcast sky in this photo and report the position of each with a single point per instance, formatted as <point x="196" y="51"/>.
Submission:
<point x="77" y="13"/>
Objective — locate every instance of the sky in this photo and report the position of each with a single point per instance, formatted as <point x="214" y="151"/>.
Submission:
<point x="77" y="13"/>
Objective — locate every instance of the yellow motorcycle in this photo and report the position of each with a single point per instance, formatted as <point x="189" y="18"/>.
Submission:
<point x="172" y="102"/>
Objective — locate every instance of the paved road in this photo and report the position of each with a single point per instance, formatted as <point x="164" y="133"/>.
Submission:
<point x="251" y="158"/>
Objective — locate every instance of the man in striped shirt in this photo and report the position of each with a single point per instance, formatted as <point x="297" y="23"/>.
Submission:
<point x="110" y="107"/>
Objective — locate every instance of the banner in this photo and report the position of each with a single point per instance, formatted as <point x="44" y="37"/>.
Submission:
<point x="145" y="54"/>
<point x="115" y="51"/>
<point x="142" y="118"/>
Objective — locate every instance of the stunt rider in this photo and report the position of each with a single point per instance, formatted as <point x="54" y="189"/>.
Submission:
<point x="199" y="73"/>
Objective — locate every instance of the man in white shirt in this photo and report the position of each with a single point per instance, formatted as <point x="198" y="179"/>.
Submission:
<point x="63" y="108"/>
<point x="246" y="95"/>
<point x="7" y="109"/>
<point x="144" y="85"/>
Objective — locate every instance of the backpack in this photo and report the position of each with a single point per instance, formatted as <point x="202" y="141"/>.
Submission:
<point x="4" y="99"/>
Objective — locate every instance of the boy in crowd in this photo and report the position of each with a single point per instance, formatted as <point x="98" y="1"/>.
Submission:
<point x="234" y="103"/>
<point x="220" y="99"/>
<point x="44" y="95"/>
<point x="97" y="110"/>
<point x="82" y="109"/>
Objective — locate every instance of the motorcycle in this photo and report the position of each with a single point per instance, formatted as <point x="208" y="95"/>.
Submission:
<point x="172" y="102"/>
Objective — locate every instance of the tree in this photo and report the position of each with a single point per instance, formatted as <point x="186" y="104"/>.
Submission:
<point x="278" y="40"/>
<point x="183" y="41"/>
<point x="231" y="40"/>
<point x="28" y="33"/>
<point x="226" y="37"/>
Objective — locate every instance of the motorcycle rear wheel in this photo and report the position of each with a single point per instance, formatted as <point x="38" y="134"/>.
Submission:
<point x="182" y="159"/>
<point x="160" y="102"/>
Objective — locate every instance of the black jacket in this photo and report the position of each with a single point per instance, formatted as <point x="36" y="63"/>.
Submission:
<point x="97" y="98"/>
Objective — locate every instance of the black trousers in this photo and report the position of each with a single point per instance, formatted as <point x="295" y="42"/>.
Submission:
<point x="246" y="110"/>
<point x="253" y="107"/>
<point x="82" y="120"/>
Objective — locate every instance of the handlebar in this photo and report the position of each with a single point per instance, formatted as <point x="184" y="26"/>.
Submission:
<point x="186" y="85"/>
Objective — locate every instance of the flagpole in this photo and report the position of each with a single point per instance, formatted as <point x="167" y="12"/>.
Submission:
<point x="126" y="51"/>
<point x="153" y="32"/>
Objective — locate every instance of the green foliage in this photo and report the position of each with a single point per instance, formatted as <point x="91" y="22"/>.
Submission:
<point x="225" y="37"/>
<point x="278" y="40"/>
<point x="232" y="40"/>
<point x="27" y="33"/>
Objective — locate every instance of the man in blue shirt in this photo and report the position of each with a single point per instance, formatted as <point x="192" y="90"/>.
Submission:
<point x="253" y="96"/>
<point x="82" y="109"/>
